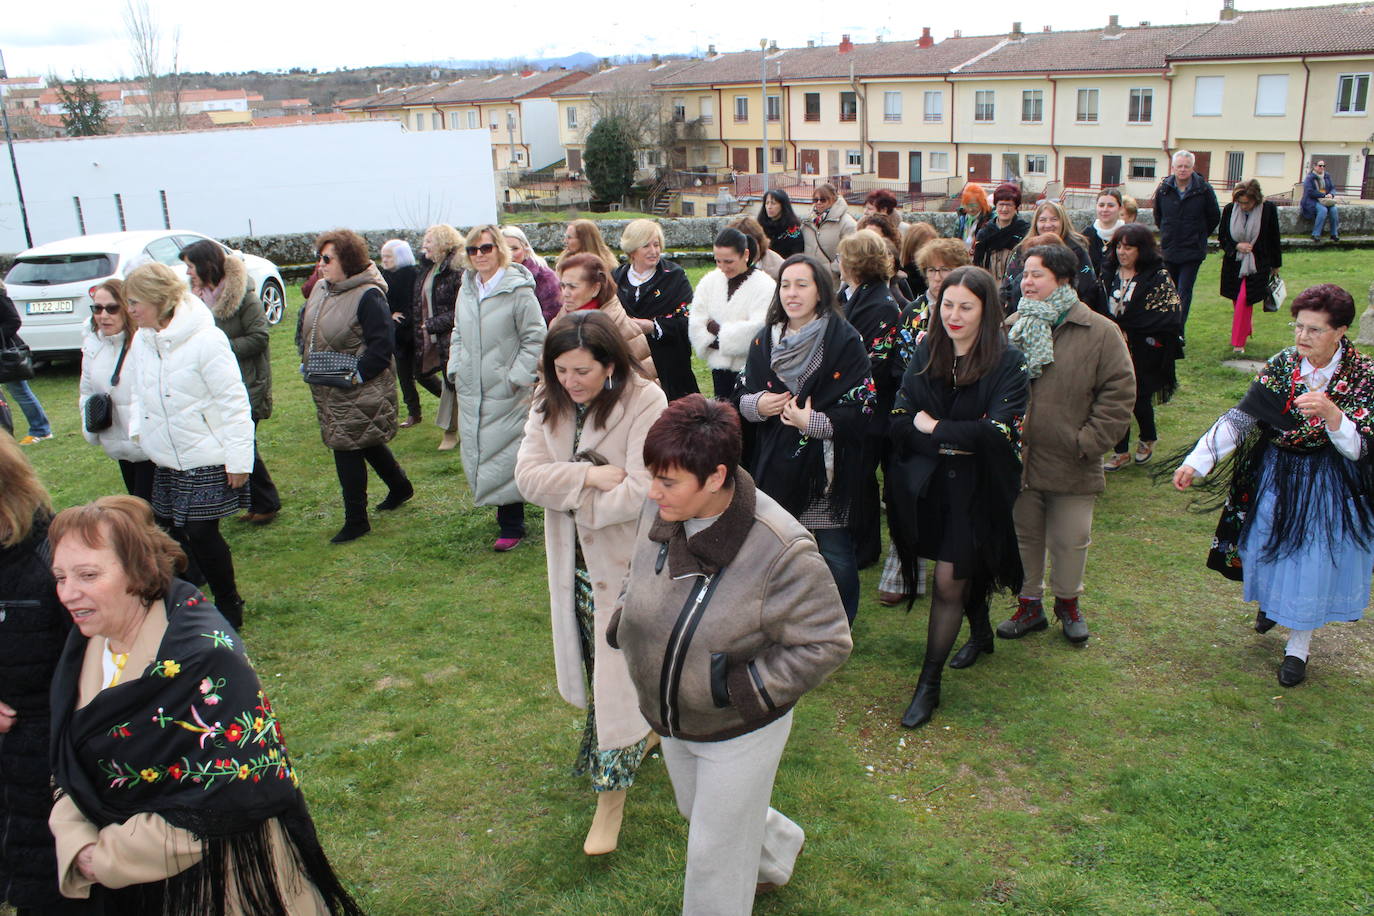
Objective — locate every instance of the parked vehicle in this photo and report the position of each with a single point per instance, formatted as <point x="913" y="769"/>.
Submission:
<point x="51" y="284"/>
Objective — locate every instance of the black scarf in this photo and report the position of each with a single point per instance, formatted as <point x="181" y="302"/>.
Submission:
<point x="196" y="741"/>
<point x="993" y="237"/>
<point x="666" y="294"/>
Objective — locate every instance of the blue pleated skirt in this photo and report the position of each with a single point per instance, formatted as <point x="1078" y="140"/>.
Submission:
<point x="1310" y="586"/>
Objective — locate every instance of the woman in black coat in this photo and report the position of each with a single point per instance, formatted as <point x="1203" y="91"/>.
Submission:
<point x="399" y="272"/>
<point x="780" y="221"/>
<point x="656" y="294"/>
<point x="1250" y="255"/>
<point x="956" y="471"/>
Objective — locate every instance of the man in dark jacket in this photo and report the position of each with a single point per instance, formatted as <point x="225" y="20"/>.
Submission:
<point x="1186" y="212"/>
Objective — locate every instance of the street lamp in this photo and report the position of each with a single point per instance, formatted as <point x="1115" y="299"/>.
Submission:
<point x="14" y="163"/>
<point x="763" y="83"/>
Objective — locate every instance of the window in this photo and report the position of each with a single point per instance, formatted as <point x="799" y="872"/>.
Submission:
<point x="472" y="119"/>
<point x="1035" y="164"/>
<point x="519" y="155"/>
<point x="1352" y="93"/>
<point x="741" y="108"/>
<point x="572" y="117"/>
<point x="938" y="162"/>
<point x="775" y="155"/>
<point x="419" y="120"/>
<point x="934" y="107"/>
<point x="892" y="107"/>
<point x="984" y="105"/>
<point x="849" y="106"/>
<point x="436" y="121"/>
<point x="1271" y="95"/>
<point x="714" y="157"/>
<point x="1032" y="106"/>
<point x="688" y="208"/>
<point x="1142" y="106"/>
<point x="1207" y="96"/>
<point x="1269" y="165"/>
<point x="708" y="110"/>
<point x="679" y="110"/>
<point x="453" y="120"/>
<point x="813" y="106"/>
<point x="1087" y="106"/>
<point x="854" y="157"/>
<point x="775" y="108"/>
<point x="164" y="251"/>
<point x="1142" y="168"/>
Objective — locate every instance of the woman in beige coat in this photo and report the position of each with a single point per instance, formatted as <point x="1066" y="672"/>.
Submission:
<point x="586" y="284"/>
<point x="582" y="460"/>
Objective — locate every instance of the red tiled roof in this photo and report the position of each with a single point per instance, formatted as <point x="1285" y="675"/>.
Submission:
<point x="1135" y="48"/>
<point x="625" y="78"/>
<point x="1346" y="28"/>
<point x="474" y="89"/>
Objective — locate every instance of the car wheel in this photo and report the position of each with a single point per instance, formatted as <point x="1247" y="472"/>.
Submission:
<point x="273" y="302"/>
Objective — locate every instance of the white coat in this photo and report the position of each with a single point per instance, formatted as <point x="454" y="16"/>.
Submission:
<point x="99" y="354"/>
<point x="740" y="316"/>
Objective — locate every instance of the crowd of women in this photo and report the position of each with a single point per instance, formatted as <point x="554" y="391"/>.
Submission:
<point x="964" y="396"/>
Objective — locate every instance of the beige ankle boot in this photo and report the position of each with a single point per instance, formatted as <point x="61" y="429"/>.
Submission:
<point x="605" y="832"/>
<point x="450" y="441"/>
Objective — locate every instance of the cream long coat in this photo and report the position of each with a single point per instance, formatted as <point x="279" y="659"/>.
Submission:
<point x="604" y="523"/>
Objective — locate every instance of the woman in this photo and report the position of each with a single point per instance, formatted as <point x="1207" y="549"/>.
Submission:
<point x="1101" y="231"/>
<point x="1129" y="208"/>
<point x="155" y="691"/>
<point x="656" y="295"/>
<point x="974" y="213"/>
<point x="584" y="237"/>
<point x="39" y="426"/>
<point x="780" y="222"/>
<point x="710" y="537"/>
<point x="883" y="203"/>
<point x="436" y="293"/>
<point x="808" y="390"/>
<point x="1251" y="255"/>
<point x="498" y="335"/>
<point x="399" y="272"/>
<point x="582" y="459"/>
<point x="827" y="226"/>
<point x="222" y="284"/>
<point x="1081" y="391"/>
<point x="545" y="280"/>
<point x="1145" y="305"/>
<point x="728" y="308"/>
<point x="995" y="242"/>
<point x="1298" y="522"/>
<point x="769" y="261"/>
<point x="106" y="370"/>
<point x="1052" y="219"/>
<point x="887" y="231"/>
<point x="585" y="284"/>
<point x="348" y="320"/>
<point x="33" y="627"/>
<point x="913" y="239"/>
<point x="193" y="421"/>
<point x="956" y="470"/>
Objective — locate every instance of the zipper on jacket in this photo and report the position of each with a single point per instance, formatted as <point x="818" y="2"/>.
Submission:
<point x="679" y="641"/>
<point x="162" y="402"/>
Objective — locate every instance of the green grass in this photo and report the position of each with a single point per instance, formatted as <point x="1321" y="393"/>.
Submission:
<point x="1160" y="769"/>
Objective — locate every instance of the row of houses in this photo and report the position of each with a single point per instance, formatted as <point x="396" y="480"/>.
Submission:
<point x="1254" y="94"/>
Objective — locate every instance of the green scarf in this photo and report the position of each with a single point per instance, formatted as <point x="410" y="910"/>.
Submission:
<point x="1035" y="323"/>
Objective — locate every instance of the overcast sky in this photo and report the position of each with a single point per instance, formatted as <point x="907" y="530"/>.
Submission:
<point x="87" y="37"/>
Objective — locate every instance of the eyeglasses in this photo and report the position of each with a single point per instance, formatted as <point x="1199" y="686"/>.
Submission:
<point x="937" y="271"/>
<point x="1321" y="165"/>
<point x="1303" y="329"/>
<point x="96" y="309"/>
<point x="326" y="259"/>
<point x="486" y="248"/>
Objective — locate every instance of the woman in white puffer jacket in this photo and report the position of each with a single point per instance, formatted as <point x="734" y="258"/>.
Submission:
<point x="111" y="335"/>
<point x="728" y="309"/>
<point x="192" y="419"/>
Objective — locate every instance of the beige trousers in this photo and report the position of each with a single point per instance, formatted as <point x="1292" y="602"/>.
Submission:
<point x="1061" y="524"/>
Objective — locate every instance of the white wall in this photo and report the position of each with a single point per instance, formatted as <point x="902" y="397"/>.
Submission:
<point x="539" y="119"/>
<point x="239" y="181"/>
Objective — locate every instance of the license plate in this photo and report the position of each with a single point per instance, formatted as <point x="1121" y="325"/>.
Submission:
<point x="50" y="306"/>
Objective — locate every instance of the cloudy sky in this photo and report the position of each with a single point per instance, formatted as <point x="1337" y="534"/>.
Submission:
<point x="87" y="37"/>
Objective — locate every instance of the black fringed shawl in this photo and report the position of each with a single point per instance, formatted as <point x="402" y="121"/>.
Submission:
<point x="789" y="465"/>
<point x="196" y="741"/>
<point x="1152" y="317"/>
<point x="983" y="418"/>
<point x="1308" y="468"/>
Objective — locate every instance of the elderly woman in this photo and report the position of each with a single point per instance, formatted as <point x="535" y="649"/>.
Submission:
<point x="656" y="294"/>
<point x="399" y="272"/>
<point x="780" y="222"/>
<point x="586" y="285"/>
<point x="728" y="309"/>
<point x="498" y="336"/>
<point x="1251" y="255"/>
<point x="193" y="420"/>
<point x="33" y="628"/>
<point x="584" y="237"/>
<point x="807" y="389"/>
<point x="995" y="242"/>
<point x="1052" y="219"/>
<point x="222" y="284"/>
<point x="956" y="430"/>
<point x="346" y="326"/>
<point x="1081" y="391"/>
<point x="177" y="794"/>
<point x="828" y="224"/>
<point x="439" y="275"/>
<point x="545" y="280"/>
<point x="106" y="373"/>
<point x="974" y="212"/>
<point x="1298" y="521"/>
<point x="710" y="543"/>
<point x="582" y="459"/>
<point x="1145" y="305"/>
<point x="1101" y="232"/>
<point x="883" y="203"/>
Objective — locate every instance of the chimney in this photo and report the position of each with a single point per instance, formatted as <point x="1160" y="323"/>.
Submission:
<point x="655" y="62"/>
<point x="1144" y="23"/>
<point x="1046" y="30"/>
<point x="1113" y="26"/>
<point x="711" y="52"/>
<point x="1228" y="10"/>
<point x="925" y="41"/>
<point x="810" y="42"/>
<point x="957" y="33"/>
<point x="1016" y="34"/>
<point x="846" y="45"/>
<point x="773" y="47"/>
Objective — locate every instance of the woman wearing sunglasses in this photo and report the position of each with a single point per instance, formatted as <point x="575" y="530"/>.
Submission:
<point x="498" y="335"/>
<point x="107" y="369"/>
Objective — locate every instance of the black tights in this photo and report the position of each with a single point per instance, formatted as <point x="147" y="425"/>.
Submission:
<point x="950" y="600"/>
<point x="210" y="554"/>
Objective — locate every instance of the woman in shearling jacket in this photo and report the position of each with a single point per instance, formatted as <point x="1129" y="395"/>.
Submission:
<point x="728" y="308"/>
<point x="102" y="372"/>
<point x="582" y="459"/>
<point x="729" y="615"/>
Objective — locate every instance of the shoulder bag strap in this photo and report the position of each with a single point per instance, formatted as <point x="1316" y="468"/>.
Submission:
<point x="119" y="364"/>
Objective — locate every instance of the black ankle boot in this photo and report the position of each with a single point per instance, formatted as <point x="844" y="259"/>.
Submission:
<point x="232" y="609"/>
<point x="351" y="531"/>
<point x="397" y="496"/>
<point x="924" y="701"/>
<point x="980" y="640"/>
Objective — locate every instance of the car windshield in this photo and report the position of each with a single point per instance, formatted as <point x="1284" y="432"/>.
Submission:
<point x="61" y="268"/>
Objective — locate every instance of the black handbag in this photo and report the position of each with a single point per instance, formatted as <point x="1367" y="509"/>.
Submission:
<point x="100" y="407"/>
<point x="327" y="367"/>
<point x="16" y="362"/>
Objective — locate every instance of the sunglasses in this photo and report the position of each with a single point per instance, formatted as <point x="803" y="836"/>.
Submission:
<point x="485" y="248"/>
<point x="326" y="259"/>
<point x="107" y="309"/>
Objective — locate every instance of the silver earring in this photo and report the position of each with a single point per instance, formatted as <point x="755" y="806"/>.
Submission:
<point x="608" y="384"/>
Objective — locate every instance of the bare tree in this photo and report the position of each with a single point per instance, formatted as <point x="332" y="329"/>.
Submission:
<point x="642" y="113"/>
<point x="162" y="88"/>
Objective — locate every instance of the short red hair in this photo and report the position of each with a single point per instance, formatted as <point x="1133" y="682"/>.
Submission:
<point x="697" y="435"/>
<point x="125" y="525"/>
<point x="594" y="269"/>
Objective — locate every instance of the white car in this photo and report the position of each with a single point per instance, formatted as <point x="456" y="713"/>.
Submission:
<point x="51" y="284"/>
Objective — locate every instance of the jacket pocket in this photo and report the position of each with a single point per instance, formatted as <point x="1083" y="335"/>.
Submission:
<point x="18" y="606"/>
<point x="720" y="689"/>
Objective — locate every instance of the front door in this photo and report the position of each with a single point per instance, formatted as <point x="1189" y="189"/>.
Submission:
<point x="809" y="161"/>
<point x="1011" y="165"/>
<point x="1202" y="162"/>
<point x="980" y="167"/>
<point x="739" y="159"/>
<point x="1111" y="171"/>
<point x="914" y="172"/>
<point x="1078" y="171"/>
<point x="889" y="165"/>
<point x="1367" y="189"/>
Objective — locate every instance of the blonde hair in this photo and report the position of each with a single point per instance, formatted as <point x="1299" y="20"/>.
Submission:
<point x="1066" y="230"/>
<point x="640" y="232"/>
<point x="22" y="496"/>
<point x="157" y="285"/>
<point x="589" y="236"/>
<point x="497" y="240"/>
<point x="866" y="255"/>
<point x="515" y="232"/>
<point x="1129" y="208"/>
<point x="446" y="238"/>
<point x="917" y="234"/>
<point x="949" y="253"/>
